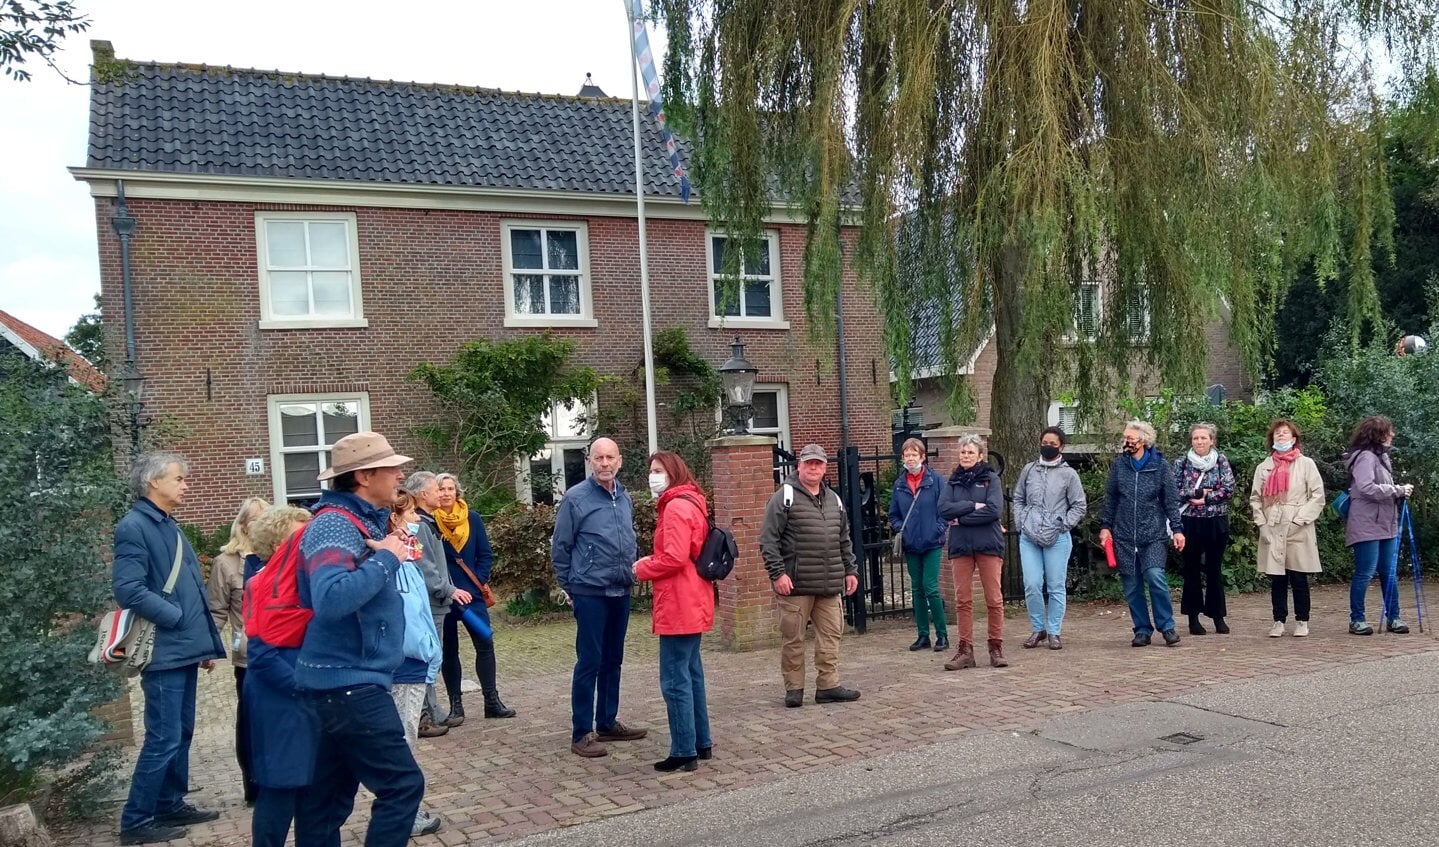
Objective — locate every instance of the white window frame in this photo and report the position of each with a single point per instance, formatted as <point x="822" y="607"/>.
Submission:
<point x="775" y="320"/>
<point x="781" y="432"/>
<point x="268" y="320"/>
<point x="278" y="450"/>
<point x="586" y="317"/>
<point x="1062" y="413"/>
<point x="524" y="492"/>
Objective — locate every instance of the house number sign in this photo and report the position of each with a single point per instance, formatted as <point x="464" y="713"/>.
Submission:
<point x="254" y="467"/>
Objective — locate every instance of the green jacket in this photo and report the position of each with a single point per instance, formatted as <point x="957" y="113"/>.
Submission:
<point x="809" y="540"/>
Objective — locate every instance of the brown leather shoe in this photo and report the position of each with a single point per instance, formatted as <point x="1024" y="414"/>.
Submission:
<point x="996" y="654"/>
<point x="1034" y="639"/>
<point x="620" y="732"/>
<point x="963" y="657"/>
<point x="589" y="747"/>
<point x="430" y="729"/>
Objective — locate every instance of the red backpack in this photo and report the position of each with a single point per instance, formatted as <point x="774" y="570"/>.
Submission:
<point x="272" y="607"/>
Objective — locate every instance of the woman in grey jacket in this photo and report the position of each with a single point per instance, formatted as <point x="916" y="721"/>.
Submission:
<point x="1372" y="529"/>
<point x="1049" y="501"/>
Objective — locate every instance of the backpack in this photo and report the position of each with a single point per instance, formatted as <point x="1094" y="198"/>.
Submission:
<point x="272" y="608"/>
<point x="787" y="499"/>
<point x="718" y="552"/>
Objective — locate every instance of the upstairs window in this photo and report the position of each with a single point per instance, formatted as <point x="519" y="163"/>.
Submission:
<point x="752" y="296"/>
<point x="309" y="270"/>
<point x="547" y="274"/>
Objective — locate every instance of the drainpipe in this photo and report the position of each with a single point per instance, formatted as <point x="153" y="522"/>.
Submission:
<point x="124" y="226"/>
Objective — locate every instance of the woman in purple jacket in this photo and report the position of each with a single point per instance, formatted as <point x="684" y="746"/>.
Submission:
<point x="1373" y="524"/>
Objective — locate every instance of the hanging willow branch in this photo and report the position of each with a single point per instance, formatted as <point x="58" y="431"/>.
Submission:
<point x="998" y="155"/>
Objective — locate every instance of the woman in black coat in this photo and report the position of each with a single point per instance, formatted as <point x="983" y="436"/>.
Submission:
<point x="973" y="501"/>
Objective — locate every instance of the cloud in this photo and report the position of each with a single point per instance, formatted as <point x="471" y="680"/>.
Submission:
<point x="49" y="292"/>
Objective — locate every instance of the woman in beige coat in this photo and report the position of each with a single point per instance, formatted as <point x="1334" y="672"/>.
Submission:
<point x="1287" y="498"/>
<point x="226" y="591"/>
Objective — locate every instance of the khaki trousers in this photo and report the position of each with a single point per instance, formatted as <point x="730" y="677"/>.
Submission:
<point x="828" y="618"/>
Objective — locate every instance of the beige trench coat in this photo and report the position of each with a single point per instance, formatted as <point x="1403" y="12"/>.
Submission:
<point x="1287" y="538"/>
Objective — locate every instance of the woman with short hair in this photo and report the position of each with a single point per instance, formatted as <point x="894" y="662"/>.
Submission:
<point x="914" y="516"/>
<point x="226" y="595"/>
<point x="1206" y="485"/>
<point x="1372" y="528"/>
<point x="1287" y="498"/>
<point x="1141" y="509"/>
<point x="1049" y="502"/>
<point x="972" y="500"/>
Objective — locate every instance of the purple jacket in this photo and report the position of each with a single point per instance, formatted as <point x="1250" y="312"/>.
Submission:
<point x="1373" y="498"/>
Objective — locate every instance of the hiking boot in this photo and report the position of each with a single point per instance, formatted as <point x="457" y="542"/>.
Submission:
<point x="1141" y="639"/>
<point x="941" y="643"/>
<point x="457" y="712"/>
<point x="425" y="824"/>
<point x="1171" y="638"/>
<point x="678" y="763"/>
<point x="430" y="729"/>
<point x="151" y="834"/>
<point x="1220" y="626"/>
<point x="838" y="694"/>
<point x="185" y="816"/>
<point x="1360" y="628"/>
<point x="963" y="658"/>
<point x="496" y="709"/>
<point x="620" y="732"/>
<point x="794" y="698"/>
<point x="996" y="654"/>
<point x="1034" y="639"/>
<point x="1397" y="626"/>
<point x="1301" y="629"/>
<point x="920" y="643"/>
<point x="1054" y="643"/>
<point x="1195" y="627"/>
<point x="589" y="747"/>
<point x="1277" y="629"/>
<point x="705" y="753"/>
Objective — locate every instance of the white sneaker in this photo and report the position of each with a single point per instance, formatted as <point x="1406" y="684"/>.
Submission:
<point x="424" y="824"/>
<point x="1301" y="629"/>
<point x="1277" y="630"/>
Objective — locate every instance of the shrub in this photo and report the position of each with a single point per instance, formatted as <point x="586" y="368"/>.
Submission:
<point x="520" y="538"/>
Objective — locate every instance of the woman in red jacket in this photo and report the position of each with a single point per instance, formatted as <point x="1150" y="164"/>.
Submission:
<point x="684" y="607"/>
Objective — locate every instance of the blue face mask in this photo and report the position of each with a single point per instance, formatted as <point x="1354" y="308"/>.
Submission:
<point x="1283" y="446"/>
<point x="413" y="528"/>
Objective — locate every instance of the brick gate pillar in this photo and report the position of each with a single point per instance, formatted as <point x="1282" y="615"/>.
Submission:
<point x="742" y="470"/>
<point x="945" y="439"/>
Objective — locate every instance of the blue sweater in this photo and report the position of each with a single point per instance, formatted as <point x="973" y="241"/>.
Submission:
<point x="357" y="635"/>
<point x="145" y="542"/>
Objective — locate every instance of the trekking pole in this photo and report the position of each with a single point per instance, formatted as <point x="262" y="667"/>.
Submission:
<point x="1406" y="527"/>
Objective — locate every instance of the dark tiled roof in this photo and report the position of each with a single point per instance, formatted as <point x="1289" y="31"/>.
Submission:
<point x="41" y="345"/>
<point x="209" y="120"/>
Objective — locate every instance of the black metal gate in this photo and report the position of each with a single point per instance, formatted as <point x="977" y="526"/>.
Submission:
<point x="884" y="588"/>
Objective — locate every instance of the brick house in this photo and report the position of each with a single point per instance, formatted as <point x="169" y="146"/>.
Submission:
<point x="302" y="242"/>
<point x="40" y="346"/>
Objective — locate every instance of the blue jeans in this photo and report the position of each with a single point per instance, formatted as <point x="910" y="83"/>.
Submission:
<point x="1045" y="567"/>
<point x="1370" y="556"/>
<point x="162" y="770"/>
<point x="1158" y="585"/>
<point x="600" y="624"/>
<point x="682" y="682"/>
<point x="274" y="811"/>
<point x="361" y="742"/>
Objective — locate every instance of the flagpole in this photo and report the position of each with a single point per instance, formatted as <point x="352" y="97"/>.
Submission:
<point x="644" y="251"/>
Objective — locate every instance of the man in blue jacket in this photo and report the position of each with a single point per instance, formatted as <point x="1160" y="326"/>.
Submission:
<point x="148" y="542"/>
<point x="352" y="647"/>
<point x="593" y="552"/>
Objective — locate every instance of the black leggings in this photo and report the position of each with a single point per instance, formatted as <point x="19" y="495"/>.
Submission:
<point x="450" y="658"/>
<point x="1279" y="595"/>
<point x="1204" y="543"/>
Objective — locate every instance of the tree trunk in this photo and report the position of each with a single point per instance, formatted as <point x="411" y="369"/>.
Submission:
<point x="1020" y="398"/>
<point x="19" y="828"/>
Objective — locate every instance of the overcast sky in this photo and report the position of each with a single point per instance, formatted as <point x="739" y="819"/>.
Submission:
<point x="48" y="265"/>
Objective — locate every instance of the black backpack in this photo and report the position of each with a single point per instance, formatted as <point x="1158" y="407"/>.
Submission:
<point x="718" y="553"/>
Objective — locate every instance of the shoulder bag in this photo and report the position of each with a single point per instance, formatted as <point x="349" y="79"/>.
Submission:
<point x="125" y="642"/>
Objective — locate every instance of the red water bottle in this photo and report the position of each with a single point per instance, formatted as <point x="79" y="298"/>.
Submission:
<point x="1108" y="545"/>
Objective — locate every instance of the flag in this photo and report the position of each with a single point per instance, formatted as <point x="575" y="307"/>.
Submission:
<point x="651" y="81"/>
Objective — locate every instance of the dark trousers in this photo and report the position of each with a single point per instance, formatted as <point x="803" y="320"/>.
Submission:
<point x="274" y="810"/>
<point x="485" y="670"/>
<point x="361" y="742"/>
<point x="1204" y="543"/>
<point x="242" y="735"/>
<point x="1279" y="587"/>
<point x="162" y="770"/>
<point x="600" y="625"/>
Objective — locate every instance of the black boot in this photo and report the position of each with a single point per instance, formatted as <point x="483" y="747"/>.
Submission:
<point x="496" y="709"/>
<point x="1195" y="627"/>
<point x="457" y="711"/>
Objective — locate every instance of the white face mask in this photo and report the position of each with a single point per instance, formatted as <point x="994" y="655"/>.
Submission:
<point x="658" y="483"/>
<point x="914" y="468"/>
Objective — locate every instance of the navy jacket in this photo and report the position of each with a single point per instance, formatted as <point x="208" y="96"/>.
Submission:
<point x="284" y="729"/>
<point x="477" y="555"/>
<point x="145" y="542"/>
<point x="1140" y="507"/>
<point x="924" y="531"/>
<point x="977" y="531"/>
<point x="357" y="636"/>
<point x="593" y="549"/>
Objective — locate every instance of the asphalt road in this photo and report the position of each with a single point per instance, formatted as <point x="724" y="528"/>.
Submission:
<point x="1345" y="756"/>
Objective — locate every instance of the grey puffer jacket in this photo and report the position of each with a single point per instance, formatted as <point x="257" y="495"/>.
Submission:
<point x="1048" y="502"/>
<point x="1140" y="507"/>
<point x="1373" y="498"/>
<point x="809" y="541"/>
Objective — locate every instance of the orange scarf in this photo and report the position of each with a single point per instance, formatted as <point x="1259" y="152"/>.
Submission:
<point x="454" y="524"/>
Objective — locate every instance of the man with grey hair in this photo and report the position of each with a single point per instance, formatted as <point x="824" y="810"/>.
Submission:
<point x="149" y="547"/>
<point x="424" y="486"/>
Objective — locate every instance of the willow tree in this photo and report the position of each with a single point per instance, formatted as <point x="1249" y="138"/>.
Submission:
<point x="998" y="154"/>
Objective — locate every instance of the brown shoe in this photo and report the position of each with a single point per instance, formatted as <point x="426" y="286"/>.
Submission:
<point x="430" y="729"/>
<point x="996" y="654"/>
<point x="1035" y="639"/>
<point x="963" y="657"/>
<point x="589" y="747"/>
<point x="620" y="732"/>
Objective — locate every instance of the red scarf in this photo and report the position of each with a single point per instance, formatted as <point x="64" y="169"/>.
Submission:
<point x="1278" y="481"/>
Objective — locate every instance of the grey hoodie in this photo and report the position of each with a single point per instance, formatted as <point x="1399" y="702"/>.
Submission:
<point x="1048" y="502"/>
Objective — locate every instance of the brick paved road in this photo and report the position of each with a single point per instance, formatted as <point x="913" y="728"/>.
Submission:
<point x="495" y="780"/>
